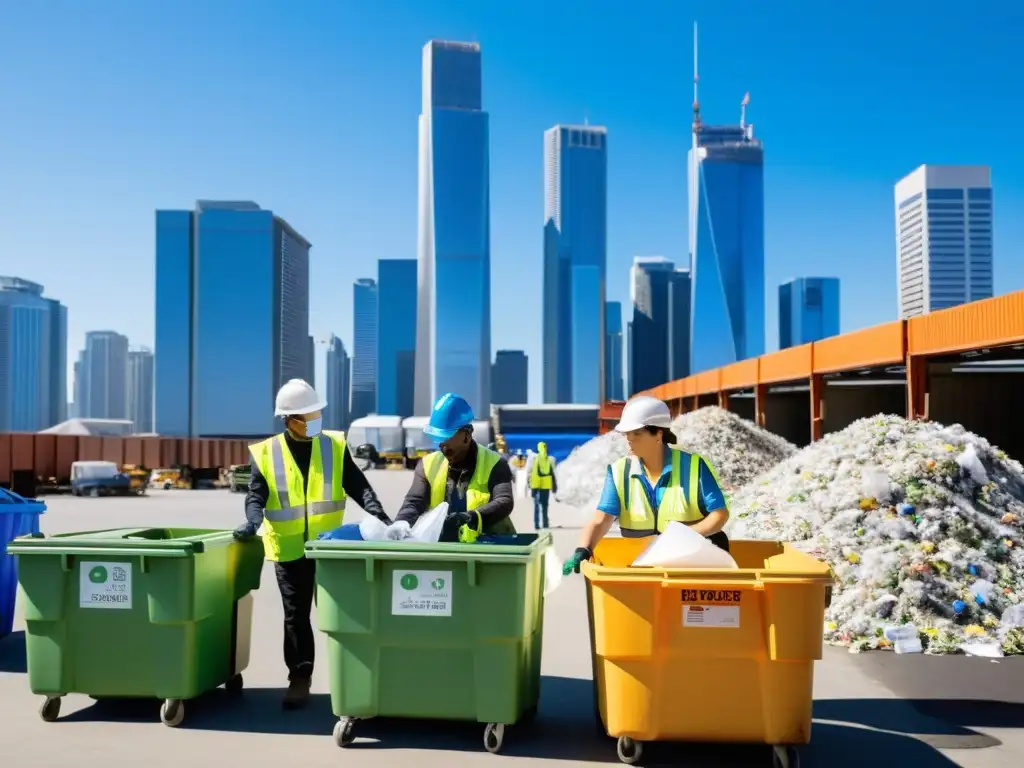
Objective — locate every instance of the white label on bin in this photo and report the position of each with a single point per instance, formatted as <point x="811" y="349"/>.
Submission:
<point x="711" y="616"/>
<point x="105" y="585"/>
<point x="421" y="593"/>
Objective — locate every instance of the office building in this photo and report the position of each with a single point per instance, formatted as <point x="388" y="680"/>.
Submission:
<point x="339" y="372"/>
<point x="575" y="262"/>
<point x="396" y="336"/>
<point x="510" y="375"/>
<point x="726" y="224"/>
<point x="311" y="363"/>
<point x="453" y="332"/>
<point x="140" y="389"/>
<point x="364" y="347"/>
<point x="808" y="310"/>
<point x="943" y="237"/>
<point x="660" y="331"/>
<point x="232" y="318"/>
<point x="33" y="357"/>
<point x="613" y="350"/>
<point x="104" y="369"/>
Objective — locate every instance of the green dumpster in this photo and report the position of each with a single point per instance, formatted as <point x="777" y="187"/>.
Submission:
<point x="136" y="613"/>
<point x="438" y="631"/>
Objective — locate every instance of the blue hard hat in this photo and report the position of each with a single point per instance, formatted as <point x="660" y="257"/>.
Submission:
<point x="450" y="414"/>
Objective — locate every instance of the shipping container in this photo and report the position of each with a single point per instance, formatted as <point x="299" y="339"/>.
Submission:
<point x="184" y="452"/>
<point x="979" y="325"/>
<point x="113" y="450"/>
<point x="45" y="457"/>
<point x="133" y="451"/>
<point x="151" y="452"/>
<point x="168" y="453"/>
<point x="868" y="348"/>
<point x="5" y="459"/>
<point x="90" y="448"/>
<point x="204" y="454"/>
<point x="22" y="452"/>
<point x="67" y="454"/>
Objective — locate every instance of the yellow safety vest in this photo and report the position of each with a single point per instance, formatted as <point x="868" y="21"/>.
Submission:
<point x="540" y="475"/>
<point x="435" y="469"/>
<point x="296" y="512"/>
<point x="636" y="518"/>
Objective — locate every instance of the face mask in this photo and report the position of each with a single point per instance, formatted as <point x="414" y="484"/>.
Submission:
<point x="313" y="427"/>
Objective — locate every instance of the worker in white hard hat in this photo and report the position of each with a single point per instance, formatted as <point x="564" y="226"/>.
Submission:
<point x="300" y="481"/>
<point x="654" y="485"/>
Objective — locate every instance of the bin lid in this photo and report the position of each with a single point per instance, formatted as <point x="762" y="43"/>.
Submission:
<point x="123" y="542"/>
<point x="16" y="504"/>
<point x="327" y="549"/>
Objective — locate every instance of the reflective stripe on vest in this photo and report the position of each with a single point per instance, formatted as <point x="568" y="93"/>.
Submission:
<point x="478" y="492"/>
<point x="297" y="511"/>
<point x="636" y="518"/>
<point x="540" y="478"/>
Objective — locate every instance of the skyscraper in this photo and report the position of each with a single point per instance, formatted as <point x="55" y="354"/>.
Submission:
<point x="575" y="262"/>
<point x="453" y="332"/>
<point x="364" y="347"/>
<point x="227" y="271"/>
<point x="510" y="377"/>
<point x="726" y="207"/>
<point x="943" y="237"/>
<point x="613" y="388"/>
<point x="33" y="357"/>
<point x="140" y="389"/>
<point x="659" y="333"/>
<point x="396" y="336"/>
<point x="104" y="367"/>
<point x="808" y="310"/>
<point x="336" y="416"/>
<point x="680" y="297"/>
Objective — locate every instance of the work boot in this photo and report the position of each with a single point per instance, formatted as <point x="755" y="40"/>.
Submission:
<point x="297" y="695"/>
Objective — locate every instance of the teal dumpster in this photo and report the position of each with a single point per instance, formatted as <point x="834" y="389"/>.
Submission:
<point x="160" y="613"/>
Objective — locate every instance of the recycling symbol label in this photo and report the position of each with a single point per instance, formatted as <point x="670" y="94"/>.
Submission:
<point x="421" y="593"/>
<point x="105" y="585"/>
<point x="98" y="574"/>
<point x="410" y="582"/>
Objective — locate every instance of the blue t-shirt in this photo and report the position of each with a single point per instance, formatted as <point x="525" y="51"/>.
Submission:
<point x="709" y="495"/>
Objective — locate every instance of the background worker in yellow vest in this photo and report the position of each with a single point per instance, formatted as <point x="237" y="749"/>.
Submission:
<point x="542" y="485"/>
<point x="474" y="480"/>
<point x="300" y="481"/>
<point x="654" y="485"/>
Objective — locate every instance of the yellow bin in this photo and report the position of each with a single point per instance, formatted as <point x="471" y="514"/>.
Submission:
<point x="706" y="655"/>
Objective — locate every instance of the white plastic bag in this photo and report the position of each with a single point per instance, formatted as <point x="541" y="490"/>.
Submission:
<point x="399" y="531"/>
<point x="428" y="528"/>
<point x="552" y="571"/>
<point x="680" y="547"/>
<point x="372" y="529"/>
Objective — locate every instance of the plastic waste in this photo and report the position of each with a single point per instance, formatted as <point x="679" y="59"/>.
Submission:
<point x="552" y="571"/>
<point x="347" y="532"/>
<point x="985" y="650"/>
<point x="372" y="529"/>
<point x="430" y="525"/>
<point x="399" y="531"/>
<point x="680" y="547"/>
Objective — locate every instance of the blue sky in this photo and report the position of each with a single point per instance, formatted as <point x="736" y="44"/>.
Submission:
<point x="112" y="109"/>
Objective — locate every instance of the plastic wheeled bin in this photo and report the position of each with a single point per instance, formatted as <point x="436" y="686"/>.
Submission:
<point x="706" y="655"/>
<point x="433" y="631"/>
<point x="18" y="517"/>
<point x="160" y="613"/>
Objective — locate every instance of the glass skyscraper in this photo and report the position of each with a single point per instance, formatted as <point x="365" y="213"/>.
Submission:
<point x="104" y="368"/>
<point x="364" y="347"/>
<point x="338" y="382"/>
<point x="943" y="237"/>
<point x="726" y="222"/>
<point x="33" y="357"/>
<point x="453" y="332"/>
<point x="613" y="388"/>
<point x="808" y="310"/>
<point x="232" y="318"/>
<point x="575" y="262"/>
<point x="396" y="336"/>
<point x="659" y="334"/>
<point x="140" y="389"/>
<point x="510" y="376"/>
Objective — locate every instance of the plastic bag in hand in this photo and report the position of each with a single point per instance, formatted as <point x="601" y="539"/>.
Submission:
<point x="680" y="547"/>
<point x="552" y="571"/>
<point x="399" y="531"/>
<point x="428" y="528"/>
<point x="372" y="529"/>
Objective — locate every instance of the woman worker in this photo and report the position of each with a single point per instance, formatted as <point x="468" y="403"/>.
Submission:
<point x="654" y="485"/>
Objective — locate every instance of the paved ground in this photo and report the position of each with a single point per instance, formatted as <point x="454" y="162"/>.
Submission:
<point x="914" y="711"/>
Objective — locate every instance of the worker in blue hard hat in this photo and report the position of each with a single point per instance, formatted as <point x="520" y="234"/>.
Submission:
<point x="474" y="480"/>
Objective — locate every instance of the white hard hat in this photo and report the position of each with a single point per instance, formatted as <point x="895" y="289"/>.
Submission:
<point x="644" y="411"/>
<point x="296" y="398"/>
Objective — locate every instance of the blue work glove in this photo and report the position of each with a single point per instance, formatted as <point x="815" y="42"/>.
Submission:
<point x="572" y="565"/>
<point x="245" y="532"/>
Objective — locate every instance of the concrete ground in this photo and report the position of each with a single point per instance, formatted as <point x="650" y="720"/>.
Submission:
<point x="916" y="711"/>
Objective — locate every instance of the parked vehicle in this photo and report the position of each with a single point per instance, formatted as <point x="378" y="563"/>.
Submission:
<point x="239" y="476"/>
<point x="99" y="478"/>
<point x="384" y="433"/>
<point x="138" y="478"/>
<point x="169" y="478"/>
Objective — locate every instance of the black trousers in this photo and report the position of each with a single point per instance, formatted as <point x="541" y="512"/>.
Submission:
<point x="297" y="582"/>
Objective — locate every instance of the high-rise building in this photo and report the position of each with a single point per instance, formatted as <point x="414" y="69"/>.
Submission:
<point x="510" y="375"/>
<point x="613" y="389"/>
<point x="808" y="310"/>
<point x="453" y="332"/>
<point x="575" y="262"/>
<point x="140" y="389"/>
<point x="104" y="367"/>
<point x="659" y="334"/>
<point x="336" y="416"/>
<point x="680" y="297"/>
<point x="310" y="376"/>
<point x="33" y="357"/>
<point x="396" y="336"/>
<point x="225" y="271"/>
<point x="943" y="237"/>
<point x="726" y="208"/>
<point x="364" y="347"/>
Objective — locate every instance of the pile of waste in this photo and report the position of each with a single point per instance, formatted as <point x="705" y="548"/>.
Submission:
<point x="921" y="524"/>
<point x="581" y="476"/>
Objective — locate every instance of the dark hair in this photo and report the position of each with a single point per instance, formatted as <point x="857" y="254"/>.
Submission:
<point x="667" y="435"/>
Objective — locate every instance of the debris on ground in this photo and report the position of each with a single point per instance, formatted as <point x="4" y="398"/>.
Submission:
<point x="920" y="522"/>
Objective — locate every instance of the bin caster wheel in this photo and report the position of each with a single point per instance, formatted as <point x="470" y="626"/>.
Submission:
<point x="172" y="712"/>
<point x="785" y="757"/>
<point x="494" y="737"/>
<point x="343" y="731"/>
<point x="235" y="684"/>
<point x="628" y="750"/>
<point x="50" y="709"/>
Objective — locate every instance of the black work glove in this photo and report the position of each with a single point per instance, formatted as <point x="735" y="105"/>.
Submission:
<point x="245" y="532"/>
<point x="572" y="565"/>
<point x="453" y="522"/>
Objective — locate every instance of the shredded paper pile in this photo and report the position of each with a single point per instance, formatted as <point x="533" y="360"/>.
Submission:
<point x="921" y="524"/>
